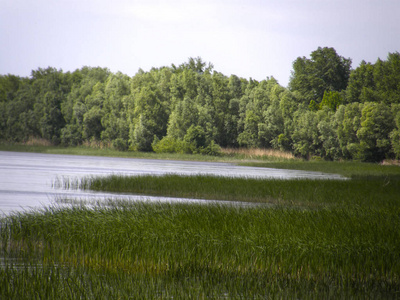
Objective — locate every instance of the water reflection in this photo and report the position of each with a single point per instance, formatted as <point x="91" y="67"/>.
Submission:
<point x="26" y="179"/>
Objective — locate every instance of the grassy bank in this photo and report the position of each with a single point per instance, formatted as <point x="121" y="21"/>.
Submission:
<point x="100" y="149"/>
<point x="107" y="152"/>
<point x="143" y="250"/>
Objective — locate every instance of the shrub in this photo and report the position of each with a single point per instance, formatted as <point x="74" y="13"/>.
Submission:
<point x="120" y="144"/>
<point x="169" y="145"/>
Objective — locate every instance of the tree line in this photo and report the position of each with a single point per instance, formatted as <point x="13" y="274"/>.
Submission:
<point x="328" y="110"/>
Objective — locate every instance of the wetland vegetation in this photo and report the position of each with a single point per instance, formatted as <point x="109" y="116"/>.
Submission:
<point x="319" y="239"/>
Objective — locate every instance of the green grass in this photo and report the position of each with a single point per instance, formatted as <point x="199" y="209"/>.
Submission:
<point x="371" y="191"/>
<point x="149" y="250"/>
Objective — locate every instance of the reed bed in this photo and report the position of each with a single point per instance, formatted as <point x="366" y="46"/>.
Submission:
<point x="375" y="191"/>
<point x="161" y="250"/>
<point x="258" y="153"/>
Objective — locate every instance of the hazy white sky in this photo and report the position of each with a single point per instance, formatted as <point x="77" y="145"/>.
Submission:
<point x="248" y="38"/>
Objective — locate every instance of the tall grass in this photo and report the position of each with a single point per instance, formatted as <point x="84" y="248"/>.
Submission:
<point x="370" y="190"/>
<point x="154" y="250"/>
<point x="258" y="153"/>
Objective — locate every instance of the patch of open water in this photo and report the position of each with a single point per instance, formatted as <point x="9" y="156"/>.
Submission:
<point x="26" y="179"/>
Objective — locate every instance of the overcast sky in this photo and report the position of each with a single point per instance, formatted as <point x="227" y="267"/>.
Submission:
<point x="248" y="38"/>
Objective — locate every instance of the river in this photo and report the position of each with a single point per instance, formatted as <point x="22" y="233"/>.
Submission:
<point x="27" y="179"/>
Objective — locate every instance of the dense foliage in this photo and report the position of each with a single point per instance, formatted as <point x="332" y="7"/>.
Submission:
<point x="328" y="110"/>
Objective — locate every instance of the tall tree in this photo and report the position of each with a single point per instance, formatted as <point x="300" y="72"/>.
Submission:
<point x="324" y="71"/>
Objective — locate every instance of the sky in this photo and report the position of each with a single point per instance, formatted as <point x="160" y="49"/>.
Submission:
<point x="249" y="38"/>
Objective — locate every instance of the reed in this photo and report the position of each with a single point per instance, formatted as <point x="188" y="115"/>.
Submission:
<point x="35" y="141"/>
<point x="122" y="249"/>
<point x="373" y="191"/>
<point x="258" y="153"/>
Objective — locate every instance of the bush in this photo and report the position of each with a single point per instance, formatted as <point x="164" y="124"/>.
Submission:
<point x="120" y="144"/>
<point x="169" y="145"/>
<point x="212" y="149"/>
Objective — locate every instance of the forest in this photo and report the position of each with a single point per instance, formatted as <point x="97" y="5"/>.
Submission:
<point x="329" y="110"/>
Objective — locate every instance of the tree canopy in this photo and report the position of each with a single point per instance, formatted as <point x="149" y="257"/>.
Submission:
<point x="324" y="71"/>
<point x="328" y="109"/>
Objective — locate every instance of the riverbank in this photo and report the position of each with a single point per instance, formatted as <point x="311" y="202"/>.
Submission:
<point x="252" y="157"/>
<point x="101" y="149"/>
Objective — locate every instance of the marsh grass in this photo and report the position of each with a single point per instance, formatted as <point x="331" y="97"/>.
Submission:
<point x="154" y="250"/>
<point x="373" y="191"/>
<point x="258" y="154"/>
<point x="34" y="141"/>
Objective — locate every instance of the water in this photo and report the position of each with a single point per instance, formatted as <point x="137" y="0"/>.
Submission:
<point x="27" y="179"/>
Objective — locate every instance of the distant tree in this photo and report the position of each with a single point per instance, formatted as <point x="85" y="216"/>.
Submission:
<point x="395" y="134"/>
<point x="376" y="125"/>
<point x="141" y="136"/>
<point x="327" y="131"/>
<point x="150" y="115"/>
<point x="324" y="71"/>
<point x="306" y="141"/>
<point x="9" y="85"/>
<point x="348" y="120"/>
<point x="115" y="118"/>
<point x="197" y="65"/>
<point x="361" y="87"/>
<point x="377" y="82"/>
<point x="332" y="100"/>
<point x="387" y="78"/>
<point x="50" y="88"/>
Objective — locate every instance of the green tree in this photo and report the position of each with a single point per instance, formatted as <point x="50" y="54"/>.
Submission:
<point x="387" y="78"/>
<point x="348" y="121"/>
<point x="253" y="105"/>
<point x="9" y="85"/>
<point x="306" y="141"/>
<point x="376" y="125"/>
<point x="115" y="109"/>
<point x="361" y="87"/>
<point x="219" y="107"/>
<point x="51" y="88"/>
<point x="327" y="130"/>
<point x="324" y="71"/>
<point x="272" y="125"/>
<point x="185" y="114"/>
<point x="332" y="100"/>
<point x="141" y="137"/>
<point x="150" y="115"/>
<point x="395" y="134"/>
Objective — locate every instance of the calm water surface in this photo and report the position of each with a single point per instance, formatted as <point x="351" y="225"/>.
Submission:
<point x="27" y="179"/>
